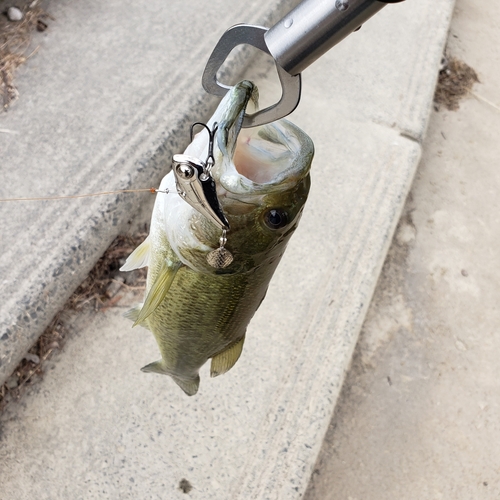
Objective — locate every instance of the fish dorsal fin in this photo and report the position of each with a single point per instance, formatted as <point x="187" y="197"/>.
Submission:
<point x="139" y="257"/>
<point x="159" y="290"/>
<point x="155" y="367"/>
<point x="189" y="386"/>
<point x="133" y="314"/>
<point x="225" y="360"/>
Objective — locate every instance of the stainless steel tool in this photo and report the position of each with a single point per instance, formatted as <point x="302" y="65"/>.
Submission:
<point x="296" y="41"/>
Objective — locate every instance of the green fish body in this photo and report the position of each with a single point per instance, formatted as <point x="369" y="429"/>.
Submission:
<point x="195" y="311"/>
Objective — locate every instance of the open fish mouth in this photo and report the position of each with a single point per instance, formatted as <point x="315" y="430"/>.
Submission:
<point x="252" y="161"/>
<point x="257" y="173"/>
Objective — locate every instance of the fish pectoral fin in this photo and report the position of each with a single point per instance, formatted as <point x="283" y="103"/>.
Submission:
<point x="159" y="290"/>
<point x="139" y="257"/>
<point x="225" y="360"/>
<point x="189" y="386"/>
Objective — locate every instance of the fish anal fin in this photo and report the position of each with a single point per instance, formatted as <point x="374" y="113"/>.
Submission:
<point x="139" y="257"/>
<point x="189" y="386"/>
<point x="159" y="290"/>
<point x="225" y="360"/>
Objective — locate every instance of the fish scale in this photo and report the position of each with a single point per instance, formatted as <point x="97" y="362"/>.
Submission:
<point x="187" y="340"/>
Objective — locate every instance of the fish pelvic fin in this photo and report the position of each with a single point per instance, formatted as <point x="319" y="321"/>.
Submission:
<point x="189" y="386"/>
<point x="159" y="290"/>
<point x="139" y="257"/>
<point x="225" y="360"/>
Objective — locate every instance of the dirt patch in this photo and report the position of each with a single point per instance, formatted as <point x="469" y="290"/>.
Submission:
<point x="100" y="290"/>
<point x="185" y="486"/>
<point x="15" y="41"/>
<point x="455" y="81"/>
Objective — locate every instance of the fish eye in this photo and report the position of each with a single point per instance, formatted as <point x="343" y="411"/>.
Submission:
<point x="276" y="218"/>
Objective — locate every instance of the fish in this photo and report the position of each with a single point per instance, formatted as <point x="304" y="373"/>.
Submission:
<point x="198" y="312"/>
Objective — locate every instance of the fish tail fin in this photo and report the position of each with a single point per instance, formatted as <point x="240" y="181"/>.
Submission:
<point x="155" y="367"/>
<point x="189" y="386"/>
<point x="139" y="257"/>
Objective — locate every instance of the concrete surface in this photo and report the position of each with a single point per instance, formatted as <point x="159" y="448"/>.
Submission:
<point x="419" y="414"/>
<point x="96" y="427"/>
<point x="106" y="101"/>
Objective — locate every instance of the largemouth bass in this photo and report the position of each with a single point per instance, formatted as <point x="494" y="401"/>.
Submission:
<point x="195" y="311"/>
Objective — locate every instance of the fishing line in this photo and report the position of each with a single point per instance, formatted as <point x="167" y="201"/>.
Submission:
<point x="103" y="193"/>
